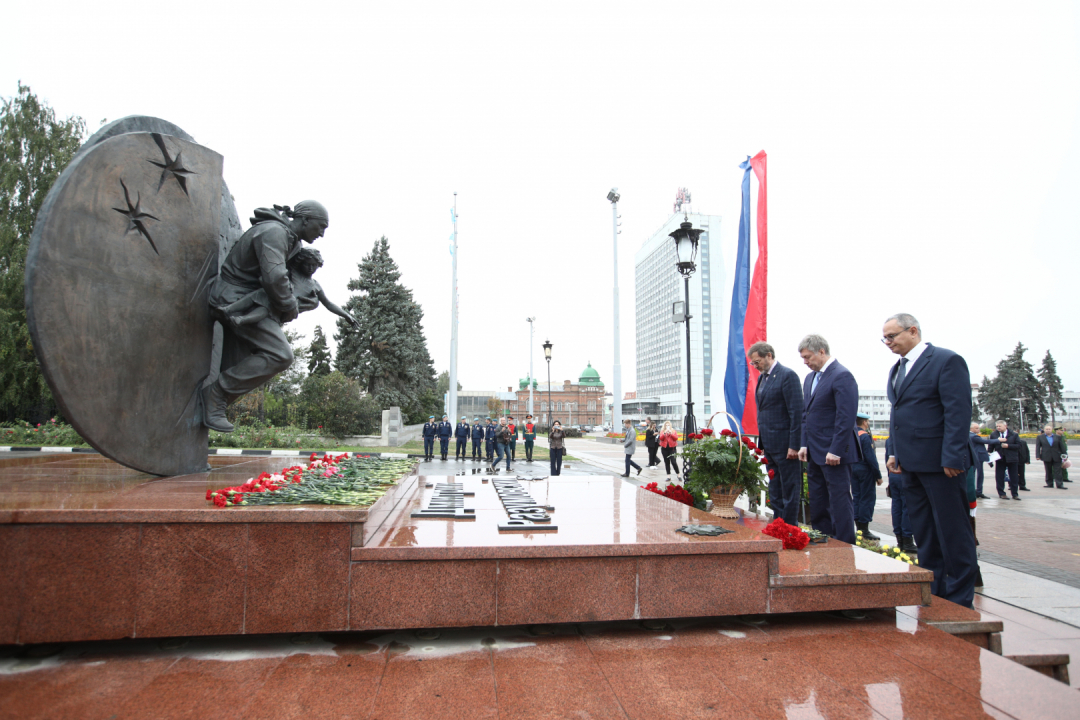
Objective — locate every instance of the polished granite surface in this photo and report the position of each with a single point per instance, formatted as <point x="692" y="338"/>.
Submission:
<point x="818" y="665"/>
<point x="837" y="563"/>
<point x="93" y="489"/>
<point x="593" y="515"/>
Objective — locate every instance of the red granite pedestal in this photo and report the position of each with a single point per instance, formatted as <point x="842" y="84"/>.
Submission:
<point x="90" y="550"/>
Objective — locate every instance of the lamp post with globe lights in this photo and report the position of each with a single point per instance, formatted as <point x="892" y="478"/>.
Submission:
<point x="547" y="356"/>
<point x="686" y="247"/>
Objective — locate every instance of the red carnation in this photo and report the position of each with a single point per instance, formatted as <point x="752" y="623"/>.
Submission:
<point x="772" y="473"/>
<point x="707" y="431"/>
<point x="763" y="461"/>
<point x="726" y="433"/>
<point x="793" y="537"/>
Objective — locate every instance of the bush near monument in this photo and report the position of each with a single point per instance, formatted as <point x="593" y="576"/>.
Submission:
<point x="53" y="433"/>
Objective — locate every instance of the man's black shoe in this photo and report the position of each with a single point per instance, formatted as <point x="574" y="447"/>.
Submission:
<point x="1026" y="489"/>
<point x="1003" y="497"/>
<point x="1016" y="497"/>
<point x="1062" y="487"/>
<point x="982" y="497"/>
<point x="626" y="475"/>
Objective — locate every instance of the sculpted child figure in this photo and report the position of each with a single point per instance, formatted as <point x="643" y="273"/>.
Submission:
<point x="308" y="293"/>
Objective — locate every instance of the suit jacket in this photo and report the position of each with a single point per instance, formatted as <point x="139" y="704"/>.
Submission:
<point x="931" y="413"/>
<point x="828" y="423"/>
<point x="779" y="402"/>
<point x="1010" y="454"/>
<point x="1050" y="453"/>
<point x="981" y="455"/>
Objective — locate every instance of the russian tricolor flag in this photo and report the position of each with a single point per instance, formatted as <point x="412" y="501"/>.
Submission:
<point x="748" y="298"/>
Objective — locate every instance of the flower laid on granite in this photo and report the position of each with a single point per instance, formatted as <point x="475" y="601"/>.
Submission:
<point x="792" y="536"/>
<point x="330" y="480"/>
<point x="671" y="491"/>
<point x="885" y="549"/>
<point x="816" y="536"/>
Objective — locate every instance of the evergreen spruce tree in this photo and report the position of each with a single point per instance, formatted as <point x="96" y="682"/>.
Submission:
<point x="35" y="147"/>
<point x="319" y="354"/>
<point x="1052" y="387"/>
<point x="1015" y="379"/>
<point x="388" y="353"/>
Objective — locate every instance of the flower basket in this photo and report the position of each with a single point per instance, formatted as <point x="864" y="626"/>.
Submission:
<point x="723" y="465"/>
<point x="723" y="500"/>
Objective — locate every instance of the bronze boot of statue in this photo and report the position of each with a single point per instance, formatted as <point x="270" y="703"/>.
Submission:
<point x="214" y="404"/>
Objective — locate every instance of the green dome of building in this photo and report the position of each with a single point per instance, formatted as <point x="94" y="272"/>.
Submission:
<point x="523" y="384"/>
<point x="590" y="377"/>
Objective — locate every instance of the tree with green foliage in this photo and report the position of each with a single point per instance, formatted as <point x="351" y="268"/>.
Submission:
<point x="387" y="353"/>
<point x="1015" y="379"/>
<point x="442" y="386"/>
<point x="35" y="148"/>
<point x="336" y="405"/>
<point x="1052" y="387"/>
<point x="319" y="354"/>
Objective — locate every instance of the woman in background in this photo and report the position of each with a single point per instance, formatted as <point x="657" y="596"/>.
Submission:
<point x="669" y="440"/>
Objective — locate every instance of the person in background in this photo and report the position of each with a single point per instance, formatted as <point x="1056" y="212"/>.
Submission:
<point x="652" y="443"/>
<point x="513" y="437"/>
<point x="461" y="432"/>
<point x="477" y="439"/>
<point x="556" y="447"/>
<point x="1051" y="449"/>
<point x="629" y="446"/>
<point x="981" y="456"/>
<point x="1007" y="443"/>
<point x="489" y="439"/>
<point x="1060" y="432"/>
<point x="1024" y="455"/>
<point x="429" y="432"/>
<point x="502" y="445"/>
<point x="865" y="477"/>
<point x="530" y="437"/>
<point x="446" y="431"/>
<point x="669" y="440"/>
<point x="973" y="500"/>
<point x="901" y="521"/>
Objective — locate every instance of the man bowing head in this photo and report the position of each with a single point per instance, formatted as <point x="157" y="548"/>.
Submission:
<point x="930" y="391"/>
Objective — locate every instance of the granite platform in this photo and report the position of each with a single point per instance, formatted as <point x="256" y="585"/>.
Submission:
<point x="886" y="666"/>
<point x="90" y="550"/>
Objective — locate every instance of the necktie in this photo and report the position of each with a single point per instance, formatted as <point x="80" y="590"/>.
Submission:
<point x="813" y="387"/>
<point x="900" y="374"/>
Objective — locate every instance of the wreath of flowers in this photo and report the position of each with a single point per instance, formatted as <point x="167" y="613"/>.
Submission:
<point x="268" y="482"/>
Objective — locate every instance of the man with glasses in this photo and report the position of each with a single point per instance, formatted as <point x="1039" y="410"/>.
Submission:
<point x="779" y="415"/>
<point x="930" y="391"/>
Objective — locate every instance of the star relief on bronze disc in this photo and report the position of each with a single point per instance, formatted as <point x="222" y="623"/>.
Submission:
<point x="172" y="166"/>
<point x="136" y="217"/>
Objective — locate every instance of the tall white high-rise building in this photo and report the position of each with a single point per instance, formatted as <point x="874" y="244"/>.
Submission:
<point x="661" y="351"/>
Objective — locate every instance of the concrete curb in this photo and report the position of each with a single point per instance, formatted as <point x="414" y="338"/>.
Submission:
<point x="218" y="451"/>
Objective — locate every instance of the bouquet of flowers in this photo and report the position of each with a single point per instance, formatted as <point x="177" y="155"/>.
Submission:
<point x="671" y="491"/>
<point x="792" y="536"/>
<point x="723" y="460"/>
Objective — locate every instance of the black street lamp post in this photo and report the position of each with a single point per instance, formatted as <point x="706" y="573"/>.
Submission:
<point x="686" y="246"/>
<point x="551" y="408"/>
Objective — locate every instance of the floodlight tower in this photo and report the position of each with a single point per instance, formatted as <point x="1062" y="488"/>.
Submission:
<point x="616" y="372"/>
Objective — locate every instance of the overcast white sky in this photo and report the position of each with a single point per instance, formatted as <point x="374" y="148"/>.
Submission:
<point x="923" y="156"/>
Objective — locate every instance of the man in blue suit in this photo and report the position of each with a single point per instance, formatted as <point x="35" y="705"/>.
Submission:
<point x="829" y="446"/>
<point x="445" y="431"/>
<point x="477" y="439"/>
<point x="429" y="432"/>
<point x="930" y="391"/>
<point x="779" y="416"/>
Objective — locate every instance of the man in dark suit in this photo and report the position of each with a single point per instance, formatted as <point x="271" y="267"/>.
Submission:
<point x="1007" y="444"/>
<point x="829" y="445"/>
<point x="930" y="391"/>
<point x="779" y="416"/>
<point x="981" y="456"/>
<point x="1050" y="448"/>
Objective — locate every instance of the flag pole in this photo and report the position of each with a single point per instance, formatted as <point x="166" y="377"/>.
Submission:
<point x="452" y="395"/>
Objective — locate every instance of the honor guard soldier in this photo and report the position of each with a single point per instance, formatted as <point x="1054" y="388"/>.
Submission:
<point x="461" y="432"/>
<point x="513" y="436"/>
<point x="445" y="431"/>
<point x="477" y="439"/>
<point x="530" y="437"/>
<point x="489" y="439"/>
<point x="429" y="438"/>
<point x="865" y="474"/>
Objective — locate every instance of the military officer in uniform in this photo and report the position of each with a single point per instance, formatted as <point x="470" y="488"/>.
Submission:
<point x="865" y="477"/>
<point x="513" y="437"/>
<point x="445" y="430"/>
<point x="429" y="438"/>
<point x="530" y="437"/>
<point x="461" y="432"/>
<point x="489" y="439"/>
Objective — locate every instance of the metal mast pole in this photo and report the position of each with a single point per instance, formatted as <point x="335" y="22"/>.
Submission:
<point x="616" y="405"/>
<point x="532" y="327"/>
<point x="689" y="424"/>
<point x="452" y="399"/>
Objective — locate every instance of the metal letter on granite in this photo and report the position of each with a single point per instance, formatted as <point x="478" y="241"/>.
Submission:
<point x="524" y="512"/>
<point x="448" y="501"/>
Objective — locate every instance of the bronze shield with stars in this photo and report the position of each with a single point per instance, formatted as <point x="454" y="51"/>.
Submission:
<point x="119" y="267"/>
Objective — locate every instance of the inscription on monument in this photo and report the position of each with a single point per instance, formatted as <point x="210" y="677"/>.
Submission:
<point x="448" y="501"/>
<point x="523" y="511"/>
